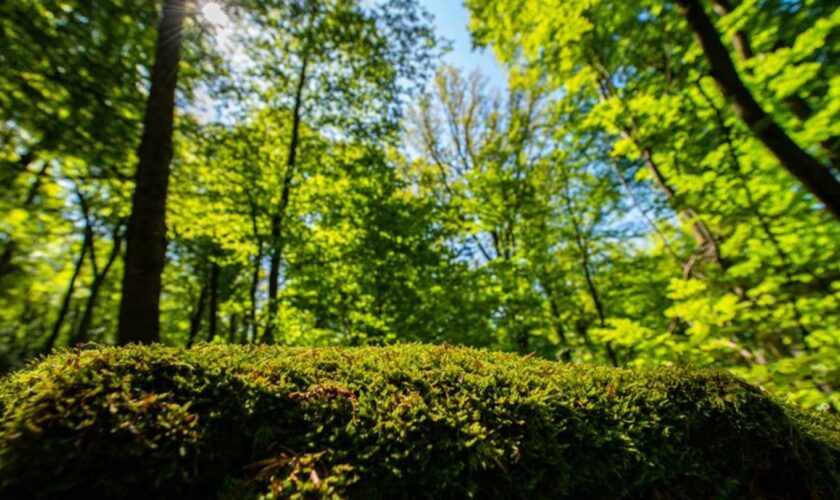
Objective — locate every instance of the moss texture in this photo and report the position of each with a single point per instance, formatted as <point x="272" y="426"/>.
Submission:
<point x="403" y="421"/>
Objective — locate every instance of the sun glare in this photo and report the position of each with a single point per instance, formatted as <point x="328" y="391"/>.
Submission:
<point x="214" y="14"/>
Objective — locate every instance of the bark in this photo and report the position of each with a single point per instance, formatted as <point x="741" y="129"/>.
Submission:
<point x="233" y="328"/>
<point x="20" y="166"/>
<point x="251" y="326"/>
<point x="197" y="315"/>
<point x="565" y="351"/>
<point x="252" y="292"/>
<point x="6" y="265"/>
<point x="139" y="319"/>
<point x="215" y="271"/>
<point x="815" y="176"/>
<point x="279" y="216"/>
<point x="68" y="294"/>
<point x="83" y="330"/>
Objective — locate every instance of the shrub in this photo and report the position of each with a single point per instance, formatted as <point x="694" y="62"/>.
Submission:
<point x="406" y="421"/>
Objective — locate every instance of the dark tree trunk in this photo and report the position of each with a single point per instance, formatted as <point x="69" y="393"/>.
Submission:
<point x="197" y="315"/>
<point x="565" y="351"/>
<point x="215" y="271"/>
<point x="233" y="328"/>
<point x="815" y="176"/>
<point x="68" y="294"/>
<point x="6" y="266"/>
<point x="19" y="166"/>
<point x="139" y="319"/>
<point x="252" y="292"/>
<point x="278" y="217"/>
<point x="83" y="330"/>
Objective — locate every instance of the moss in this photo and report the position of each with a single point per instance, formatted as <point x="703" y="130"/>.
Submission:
<point x="410" y="420"/>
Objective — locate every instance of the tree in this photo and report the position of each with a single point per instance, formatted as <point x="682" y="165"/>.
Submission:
<point x="139" y="319"/>
<point x="815" y="176"/>
<point x="630" y="84"/>
<point x="378" y="50"/>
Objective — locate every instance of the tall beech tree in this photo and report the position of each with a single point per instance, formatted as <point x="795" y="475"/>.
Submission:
<point x="139" y="316"/>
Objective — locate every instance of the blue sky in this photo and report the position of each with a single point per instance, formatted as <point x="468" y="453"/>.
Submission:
<point x="451" y="20"/>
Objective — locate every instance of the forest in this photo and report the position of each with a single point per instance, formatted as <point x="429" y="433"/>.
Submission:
<point x="657" y="184"/>
<point x="299" y="249"/>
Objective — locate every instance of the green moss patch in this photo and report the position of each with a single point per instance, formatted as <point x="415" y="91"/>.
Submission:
<point x="406" y="421"/>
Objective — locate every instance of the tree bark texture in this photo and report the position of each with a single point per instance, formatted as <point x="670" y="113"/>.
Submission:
<point x="139" y="319"/>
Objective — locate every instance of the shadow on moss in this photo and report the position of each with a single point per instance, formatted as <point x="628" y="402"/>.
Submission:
<point x="407" y="421"/>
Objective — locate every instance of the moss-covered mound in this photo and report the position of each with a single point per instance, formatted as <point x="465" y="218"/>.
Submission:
<point x="407" y="421"/>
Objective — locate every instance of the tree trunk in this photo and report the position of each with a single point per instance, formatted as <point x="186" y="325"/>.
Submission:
<point x="83" y="330"/>
<point x="252" y="292"/>
<point x="215" y="271"/>
<point x="198" y="314"/>
<point x="278" y="217"/>
<point x="565" y="351"/>
<point x="6" y="266"/>
<point x="139" y="319"/>
<point x="233" y="328"/>
<point x="68" y="294"/>
<point x="19" y="166"/>
<point x="815" y="176"/>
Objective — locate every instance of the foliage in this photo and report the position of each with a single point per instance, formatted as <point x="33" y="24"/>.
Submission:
<point x="606" y="206"/>
<point x="370" y="422"/>
<point x="754" y="287"/>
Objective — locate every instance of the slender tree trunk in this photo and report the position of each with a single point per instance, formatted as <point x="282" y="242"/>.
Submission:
<point x="252" y="292"/>
<point x="565" y="351"/>
<point x="68" y="294"/>
<point x="278" y="217"/>
<point x="6" y="266"/>
<point x="233" y="328"/>
<point x="198" y="314"/>
<point x="139" y="319"/>
<point x="815" y="176"/>
<point x="215" y="271"/>
<point x="83" y="330"/>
